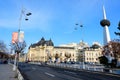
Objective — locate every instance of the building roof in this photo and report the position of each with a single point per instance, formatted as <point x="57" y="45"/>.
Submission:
<point x="95" y="46"/>
<point x="42" y="42"/>
<point x="60" y="47"/>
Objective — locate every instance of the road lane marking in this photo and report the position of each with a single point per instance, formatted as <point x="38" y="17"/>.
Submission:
<point x="50" y="74"/>
<point x="33" y="68"/>
<point x="70" y="72"/>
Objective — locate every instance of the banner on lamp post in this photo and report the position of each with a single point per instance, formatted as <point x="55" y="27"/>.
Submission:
<point x="14" y="37"/>
<point x="21" y="36"/>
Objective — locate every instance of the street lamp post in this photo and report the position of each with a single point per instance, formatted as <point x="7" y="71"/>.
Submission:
<point x="79" y="26"/>
<point x="19" y="46"/>
<point x="15" y="61"/>
<point x="83" y="56"/>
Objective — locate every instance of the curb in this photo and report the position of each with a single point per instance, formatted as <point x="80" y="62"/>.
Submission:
<point x="19" y="75"/>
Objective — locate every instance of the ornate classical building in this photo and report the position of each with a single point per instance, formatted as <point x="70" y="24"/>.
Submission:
<point x="44" y="50"/>
<point x="92" y="53"/>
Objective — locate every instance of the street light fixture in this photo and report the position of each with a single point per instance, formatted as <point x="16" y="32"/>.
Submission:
<point x="20" y="45"/>
<point x="28" y="14"/>
<point x="80" y="26"/>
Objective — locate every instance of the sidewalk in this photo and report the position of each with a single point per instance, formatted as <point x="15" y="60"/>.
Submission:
<point x="6" y="72"/>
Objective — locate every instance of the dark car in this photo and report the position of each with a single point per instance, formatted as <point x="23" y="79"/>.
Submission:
<point x="5" y="62"/>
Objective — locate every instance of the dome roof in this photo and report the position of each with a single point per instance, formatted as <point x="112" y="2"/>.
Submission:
<point x="95" y="46"/>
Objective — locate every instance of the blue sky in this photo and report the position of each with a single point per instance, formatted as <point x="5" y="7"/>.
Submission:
<point x="56" y="19"/>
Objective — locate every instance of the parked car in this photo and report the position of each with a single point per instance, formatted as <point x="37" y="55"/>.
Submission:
<point x="5" y="62"/>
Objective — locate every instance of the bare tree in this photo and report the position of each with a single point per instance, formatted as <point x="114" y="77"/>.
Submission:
<point x="3" y="47"/>
<point x="67" y="55"/>
<point x="18" y="47"/>
<point x="56" y="57"/>
<point x="118" y="33"/>
<point x="115" y="48"/>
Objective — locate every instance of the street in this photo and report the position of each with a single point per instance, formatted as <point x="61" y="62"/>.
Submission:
<point x="42" y="72"/>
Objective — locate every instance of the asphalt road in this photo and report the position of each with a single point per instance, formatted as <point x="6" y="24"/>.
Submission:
<point x="41" y="72"/>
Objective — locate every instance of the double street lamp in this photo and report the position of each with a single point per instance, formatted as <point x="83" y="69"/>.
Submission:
<point x="83" y="56"/>
<point x="20" y="45"/>
<point x="79" y="26"/>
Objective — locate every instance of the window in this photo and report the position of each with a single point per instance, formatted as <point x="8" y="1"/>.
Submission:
<point x="87" y="58"/>
<point x="96" y="54"/>
<point x="96" y="58"/>
<point x="60" y="54"/>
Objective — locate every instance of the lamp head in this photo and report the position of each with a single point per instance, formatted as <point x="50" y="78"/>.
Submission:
<point x="26" y="19"/>
<point x="28" y="14"/>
